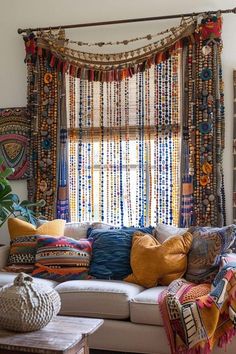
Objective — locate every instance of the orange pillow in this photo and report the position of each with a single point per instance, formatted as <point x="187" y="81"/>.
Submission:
<point x="18" y="228"/>
<point x="153" y="263"/>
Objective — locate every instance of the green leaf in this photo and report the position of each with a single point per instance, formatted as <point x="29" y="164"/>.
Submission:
<point x="7" y="172"/>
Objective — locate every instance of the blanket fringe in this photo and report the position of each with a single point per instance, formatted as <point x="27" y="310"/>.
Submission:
<point x="205" y="349"/>
<point x="226" y="338"/>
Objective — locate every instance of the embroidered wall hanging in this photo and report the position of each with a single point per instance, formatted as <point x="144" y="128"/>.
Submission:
<point x="14" y="138"/>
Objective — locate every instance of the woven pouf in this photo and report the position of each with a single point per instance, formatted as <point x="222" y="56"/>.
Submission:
<point x="27" y="305"/>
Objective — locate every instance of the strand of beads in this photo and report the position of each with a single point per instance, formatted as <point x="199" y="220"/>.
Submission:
<point x="102" y="105"/>
<point x="160" y="143"/>
<point x="174" y="116"/>
<point x="127" y="154"/>
<point x="147" y="140"/>
<point x="73" y="152"/>
<point x="155" y="157"/>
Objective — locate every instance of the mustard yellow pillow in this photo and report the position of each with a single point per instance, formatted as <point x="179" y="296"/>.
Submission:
<point x="153" y="263"/>
<point x="18" y="228"/>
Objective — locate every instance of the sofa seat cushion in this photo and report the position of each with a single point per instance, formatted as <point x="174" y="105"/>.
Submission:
<point x="144" y="308"/>
<point x="6" y="278"/>
<point x="97" y="298"/>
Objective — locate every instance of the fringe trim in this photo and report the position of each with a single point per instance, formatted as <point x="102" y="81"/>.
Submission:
<point x="226" y="338"/>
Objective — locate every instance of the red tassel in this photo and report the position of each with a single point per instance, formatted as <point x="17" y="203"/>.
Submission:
<point x="64" y="68"/>
<point x="78" y="73"/>
<point x="52" y="61"/>
<point x="72" y="70"/>
<point x="40" y="51"/>
<point x="91" y="75"/>
<point x="59" y="64"/>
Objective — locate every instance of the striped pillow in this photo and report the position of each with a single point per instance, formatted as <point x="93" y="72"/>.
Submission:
<point x="62" y="258"/>
<point x="22" y="250"/>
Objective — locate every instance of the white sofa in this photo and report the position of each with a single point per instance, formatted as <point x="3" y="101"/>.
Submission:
<point x="132" y="319"/>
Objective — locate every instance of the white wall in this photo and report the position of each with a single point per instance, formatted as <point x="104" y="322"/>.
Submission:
<point x="34" y="13"/>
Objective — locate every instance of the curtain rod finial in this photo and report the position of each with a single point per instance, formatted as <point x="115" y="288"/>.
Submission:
<point x="234" y="10"/>
<point x="20" y="30"/>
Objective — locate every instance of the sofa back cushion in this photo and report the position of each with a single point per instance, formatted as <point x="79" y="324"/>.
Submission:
<point x="78" y="230"/>
<point x="153" y="263"/>
<point x="163" y="232"/>
<point x="111" y="252"/>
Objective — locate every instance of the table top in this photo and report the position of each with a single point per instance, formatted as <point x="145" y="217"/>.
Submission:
<point x="59" y="335"/>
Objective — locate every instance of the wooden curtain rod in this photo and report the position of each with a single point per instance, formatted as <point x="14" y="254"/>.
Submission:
<point x="129" y="20"/>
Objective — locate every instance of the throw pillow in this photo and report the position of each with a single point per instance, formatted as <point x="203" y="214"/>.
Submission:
<point x="19" y="268"/>
<point x="111" y="252"/>
<point x="24" y="239"/>
<point x="62" y="258"/>
<point x="163" y="232"/>
<point x="22" y="250"/>
<point x="18" y="228"/>
<point x="60" y="274"/>
<point x="153" y="263"/>
<point x="205" y="253"/>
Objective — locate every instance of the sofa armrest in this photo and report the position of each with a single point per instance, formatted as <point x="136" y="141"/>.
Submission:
<point x="4" y="250"/>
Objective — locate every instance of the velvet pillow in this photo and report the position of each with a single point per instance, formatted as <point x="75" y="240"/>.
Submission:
<point x="153" y="263"/>
<point x="111" y="252"/>
<point x="62" y="258"/>
<point x="206" y="250"/>
<point x="19" y="228"/>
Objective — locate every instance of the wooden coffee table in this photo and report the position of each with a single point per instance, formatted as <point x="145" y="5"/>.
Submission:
<point x="63" y="335"/>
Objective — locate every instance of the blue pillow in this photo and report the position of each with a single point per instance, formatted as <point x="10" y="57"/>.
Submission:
<point x="111" y="252"/>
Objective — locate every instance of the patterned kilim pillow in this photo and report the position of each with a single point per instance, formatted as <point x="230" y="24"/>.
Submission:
<point x="62" y="258"/>
<point x="23" y="244"/>
<point x="205" y="253"/>
<point x="23" y="250"/>
<point x="22" y="254"/>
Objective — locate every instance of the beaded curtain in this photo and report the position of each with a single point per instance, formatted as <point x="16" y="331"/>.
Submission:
<point x="124" y="147"/>
<point x="45" y="106"/>
<point x="123" y="133"/>
<point x="203" y="197"/>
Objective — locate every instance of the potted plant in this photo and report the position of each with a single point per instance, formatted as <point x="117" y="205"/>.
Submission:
<point x="10" y="202"/>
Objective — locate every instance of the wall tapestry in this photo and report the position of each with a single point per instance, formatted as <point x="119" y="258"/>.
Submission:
<point x="60" y="76"/>
<point x="14" y="140"/>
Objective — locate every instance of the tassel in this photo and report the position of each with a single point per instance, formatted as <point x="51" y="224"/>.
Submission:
<point x="40" y="51"/>
<point x="52" y="61"/>
<point x="64" y="67"/>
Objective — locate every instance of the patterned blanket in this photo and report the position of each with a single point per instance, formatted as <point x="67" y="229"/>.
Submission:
<point x="197" y="317"/>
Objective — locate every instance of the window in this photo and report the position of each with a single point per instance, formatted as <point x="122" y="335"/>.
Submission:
<point x="124" y="147"/>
